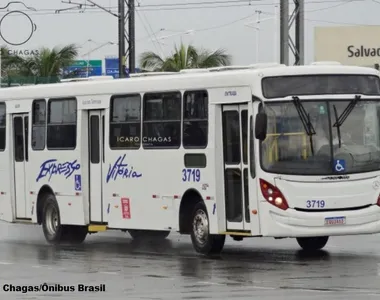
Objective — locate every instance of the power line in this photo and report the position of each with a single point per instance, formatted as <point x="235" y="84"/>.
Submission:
<point x="225" y="24"/>
<point x="324" y="21"/>
<point x="91" y="10"/>
<point x="333" y="6"/>
<point x="150" y="34"/>
<point x="253" y="3"/>
<point x="251" y="15"/>
<point x="98" y="11"/>
<point x="175" y="6"/>
<point x="200" y="3"/>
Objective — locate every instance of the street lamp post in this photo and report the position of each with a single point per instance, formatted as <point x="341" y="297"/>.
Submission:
<point x="257" y="27"/>
<point x="160" y="39"/>
<point x="93" y="50"/>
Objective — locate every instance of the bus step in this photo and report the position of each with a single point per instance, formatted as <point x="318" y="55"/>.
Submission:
<point x="236" y="233"/>
<point x="96" y="228"/>
<point x="24" y="221"/>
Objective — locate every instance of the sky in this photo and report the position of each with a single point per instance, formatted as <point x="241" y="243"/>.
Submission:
<point x="209" y="24"/>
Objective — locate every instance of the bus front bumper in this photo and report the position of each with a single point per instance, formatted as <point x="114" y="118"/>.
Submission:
<point x="291" y="223"/>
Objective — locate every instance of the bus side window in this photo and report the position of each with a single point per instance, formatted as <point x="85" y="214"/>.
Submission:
<point x="2" y="126"/>
<point x="162" y="120"/>
<point x="38" y="124"/>
<point x="62" y="124"/>
<point x="195" y="160"/>
<point x="195" y="119"/>
<point x="125" y="122"/>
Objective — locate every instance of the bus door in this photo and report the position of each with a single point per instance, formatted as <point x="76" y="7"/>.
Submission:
<point x="96" y="125"/>
<point x="20" y="123"/>
<point x="236" y="167"/>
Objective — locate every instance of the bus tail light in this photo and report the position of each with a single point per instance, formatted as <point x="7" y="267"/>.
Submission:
<point x="273" y="195"/>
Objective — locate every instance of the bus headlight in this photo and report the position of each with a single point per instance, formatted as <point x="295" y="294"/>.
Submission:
<point x="271" y="192"/>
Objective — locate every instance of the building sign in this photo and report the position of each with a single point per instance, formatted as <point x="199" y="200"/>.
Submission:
<point x="84" y="68"/>
<point x="350" y="45"/>
<point x="362" y="51"/>
<point x="112" y="67"/>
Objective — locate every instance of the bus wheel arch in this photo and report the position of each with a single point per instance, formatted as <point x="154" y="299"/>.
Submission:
<point x="41" y="201"/>
<point x="188" y="202"/>
<point x="47" y="210"/>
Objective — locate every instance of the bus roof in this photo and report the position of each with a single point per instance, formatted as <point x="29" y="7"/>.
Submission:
<point x="221" y="77"/>
<point x="90" y="78"/>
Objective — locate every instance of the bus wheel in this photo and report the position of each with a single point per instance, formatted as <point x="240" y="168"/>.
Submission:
<point x="148" y="234"/>
<point x="203" y="242"/>
<point x="54" y="232"/>
<point x="75" y="234"/>
<point x="312" y="243"/>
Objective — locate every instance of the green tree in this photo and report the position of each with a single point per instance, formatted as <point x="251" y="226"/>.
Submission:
<point x="45" y="66"/>
<point x="10" y="63"/>
<point x="184" y="57"/>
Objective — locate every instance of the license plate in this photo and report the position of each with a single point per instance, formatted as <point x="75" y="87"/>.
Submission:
<point x="335" y="221"/>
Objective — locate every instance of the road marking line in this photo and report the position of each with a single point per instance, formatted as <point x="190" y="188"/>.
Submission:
<point x="211" y="283"/>
<point x="263" y="288"/>
<point x="6" y="263"/>
<point x="109" y="273"/>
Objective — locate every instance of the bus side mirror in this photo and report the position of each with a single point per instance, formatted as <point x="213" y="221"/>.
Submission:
<point x="261" y="126"/>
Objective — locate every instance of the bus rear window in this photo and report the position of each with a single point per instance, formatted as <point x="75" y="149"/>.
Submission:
<point x="283" y="86"/>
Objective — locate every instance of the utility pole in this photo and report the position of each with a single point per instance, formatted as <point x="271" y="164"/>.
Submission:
<point x="132" y="38"/>
<point x="121" y="31"/>
<point x="286" y="42"/>
<point x="128" y="36"/>
<point x="124" y="36"/>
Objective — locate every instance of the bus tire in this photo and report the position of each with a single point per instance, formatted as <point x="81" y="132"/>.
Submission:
<point x="137" y="234"/>
<point x="54" y="232"/>
<point x="312" y="244"/>
<point x="203" y="242"/>
<point x="75" y="234"/>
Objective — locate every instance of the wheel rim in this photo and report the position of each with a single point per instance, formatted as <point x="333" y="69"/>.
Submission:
<point x="200" y="227"/>
<point x="52" y="220"/>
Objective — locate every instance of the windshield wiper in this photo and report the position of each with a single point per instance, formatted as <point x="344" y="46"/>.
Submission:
<point x="337" y="126"/>
<point x="346" y="112"/>
<point x="305" y="119"/>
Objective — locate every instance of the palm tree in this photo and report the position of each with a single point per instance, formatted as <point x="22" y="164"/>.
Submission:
<point x="10" y="66"/>
<point x="184" y="58"/>
<point x="47" y="63"/>
<point x="9" y="62"/>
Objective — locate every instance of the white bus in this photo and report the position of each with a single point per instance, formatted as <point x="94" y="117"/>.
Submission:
<point x="257" y="151"/>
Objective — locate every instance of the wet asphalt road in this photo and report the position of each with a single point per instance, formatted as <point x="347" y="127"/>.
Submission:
<point x="252" y="269"/>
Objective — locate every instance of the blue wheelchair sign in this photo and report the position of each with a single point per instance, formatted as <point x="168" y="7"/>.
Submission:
<point x="339" y="165"/>
<point x="78" y="182"/>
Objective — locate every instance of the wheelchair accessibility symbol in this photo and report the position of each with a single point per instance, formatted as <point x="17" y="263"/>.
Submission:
<point x="339" y="165"/>
<point x="78" y="182"/>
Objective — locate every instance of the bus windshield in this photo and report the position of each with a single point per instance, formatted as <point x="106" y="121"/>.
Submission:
<point x="330" y="137"/>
